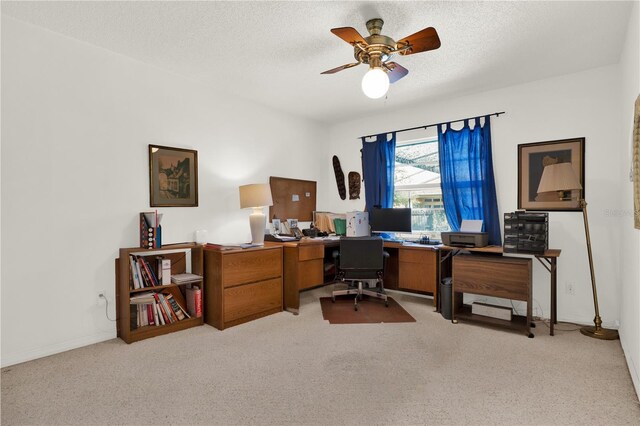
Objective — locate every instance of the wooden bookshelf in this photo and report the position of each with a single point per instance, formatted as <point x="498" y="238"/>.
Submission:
<point x="184" y="258"/>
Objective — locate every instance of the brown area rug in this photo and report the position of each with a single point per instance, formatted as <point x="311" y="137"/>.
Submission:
<point x="370" y="310"/>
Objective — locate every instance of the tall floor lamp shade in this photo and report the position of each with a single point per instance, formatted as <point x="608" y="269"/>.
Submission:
<point x="256" y="196"/>
<point x="562" y="179"/>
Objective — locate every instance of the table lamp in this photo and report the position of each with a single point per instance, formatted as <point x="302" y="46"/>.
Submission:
<point x="561" y="178"/>
<point x="256" y="196"/>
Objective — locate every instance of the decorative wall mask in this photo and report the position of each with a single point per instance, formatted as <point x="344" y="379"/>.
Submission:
<point x="342" y="190"/>
<point x="354" y="185"/>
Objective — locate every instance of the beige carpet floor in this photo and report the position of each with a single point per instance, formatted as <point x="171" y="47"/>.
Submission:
<point x="286" y="369"/>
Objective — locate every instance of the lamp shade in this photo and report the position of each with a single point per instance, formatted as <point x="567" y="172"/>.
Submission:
<point x="255" y="195"/>
<point x="558" y="177"/>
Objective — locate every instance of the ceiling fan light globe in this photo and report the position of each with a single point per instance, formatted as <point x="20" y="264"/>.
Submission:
<point x="375" y="83"/>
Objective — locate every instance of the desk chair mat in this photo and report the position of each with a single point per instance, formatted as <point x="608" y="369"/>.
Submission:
<point x="370" y="310"/>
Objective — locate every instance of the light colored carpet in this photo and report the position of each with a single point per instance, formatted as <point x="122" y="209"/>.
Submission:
<point x="286" y="369"/>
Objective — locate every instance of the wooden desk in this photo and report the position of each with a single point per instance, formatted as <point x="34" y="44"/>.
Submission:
<point x="412" y="268"/>
<point x="548" y="259"/>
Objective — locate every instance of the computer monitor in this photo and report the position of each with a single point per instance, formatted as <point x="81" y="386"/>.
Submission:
<point x="390" y="220"/>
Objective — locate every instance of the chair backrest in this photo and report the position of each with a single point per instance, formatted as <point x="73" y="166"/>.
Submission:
<point x="361" y="254"/>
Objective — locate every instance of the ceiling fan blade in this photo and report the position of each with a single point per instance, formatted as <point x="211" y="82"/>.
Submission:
<point x="350" y="35"/>
<point x="340" y="68"/>
<point x="421" y="41"/>
<point x="395" y="71"/>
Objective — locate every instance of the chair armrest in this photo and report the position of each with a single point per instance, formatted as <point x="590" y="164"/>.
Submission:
<point x="385" y="256"/>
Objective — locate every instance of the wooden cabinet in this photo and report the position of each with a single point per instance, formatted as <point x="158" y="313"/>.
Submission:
<point x="241" y="285"/>
<point x="417" y="269"/>
<point x="184" y="258"/>
<point x="496" y="276"/>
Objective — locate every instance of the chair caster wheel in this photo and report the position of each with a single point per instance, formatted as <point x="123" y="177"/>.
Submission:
<point x="386" y="303"/>
<point x="530" y="336"/>
<point x="355" y="307"/>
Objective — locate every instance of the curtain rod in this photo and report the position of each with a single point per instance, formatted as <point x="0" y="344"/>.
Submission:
<point x="436" y="124"/>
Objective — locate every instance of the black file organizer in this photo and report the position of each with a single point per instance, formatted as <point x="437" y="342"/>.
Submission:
<point x="526" y="232"/>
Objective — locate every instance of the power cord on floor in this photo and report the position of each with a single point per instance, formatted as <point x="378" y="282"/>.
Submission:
<point x="556" y="328"/>
<point x="106" y="307"/>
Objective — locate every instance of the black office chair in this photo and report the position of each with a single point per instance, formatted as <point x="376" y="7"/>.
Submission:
<point x="360" y="259"/>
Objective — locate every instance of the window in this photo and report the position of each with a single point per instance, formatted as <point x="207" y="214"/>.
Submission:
<point x="417" y="185"/>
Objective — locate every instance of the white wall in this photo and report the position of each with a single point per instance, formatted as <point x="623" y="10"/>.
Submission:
<point x="76" y="124"/>
<point x="577" y="105"/>
<point x="630" y="242"/>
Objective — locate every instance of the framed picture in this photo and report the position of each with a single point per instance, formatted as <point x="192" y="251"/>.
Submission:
<point x="533" y="157"/>
<point x="173" y="177"/>
<point x="636" y="164"/>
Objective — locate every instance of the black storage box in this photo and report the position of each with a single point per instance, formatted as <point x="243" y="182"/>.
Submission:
<point x="526" y="232"/>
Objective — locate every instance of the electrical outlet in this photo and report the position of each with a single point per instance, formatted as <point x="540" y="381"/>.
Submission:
<point x="102" y="297"/>
<point x="570" y="288"/>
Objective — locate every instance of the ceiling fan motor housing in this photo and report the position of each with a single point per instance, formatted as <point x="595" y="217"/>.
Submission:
<point x="379" y="47"/>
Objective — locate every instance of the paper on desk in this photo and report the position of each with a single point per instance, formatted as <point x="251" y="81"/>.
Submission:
<point x="471" y="226"/>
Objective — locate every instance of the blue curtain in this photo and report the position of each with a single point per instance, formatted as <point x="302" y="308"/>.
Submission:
<point x="466" y="173"/>
<point x="378" y="165"/>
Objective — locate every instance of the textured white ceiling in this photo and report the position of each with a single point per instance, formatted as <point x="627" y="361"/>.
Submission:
<point x="274" y="52"/>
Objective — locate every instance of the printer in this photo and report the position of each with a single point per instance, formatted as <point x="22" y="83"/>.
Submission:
<point x="470" y="235"/>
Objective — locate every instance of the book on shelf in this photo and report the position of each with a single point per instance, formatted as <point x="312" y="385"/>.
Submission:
<point x="140" y="298"/>
<point x="146" y="279"/>
<point x="133" y="316"/>
<point x="154" y="308"/>
<point x="162" y="309"/>
<point x="134" y="273"/>
<point x="194" y="301"/>
<point x="151" y="272"/>
<point x="168" y="308"/>
<point x="151" y="318"/>
<point x="164" y="270"/>
<point x="185" y="278"/>
<point x="159" y="312"/>
<point x="177" y="309"/>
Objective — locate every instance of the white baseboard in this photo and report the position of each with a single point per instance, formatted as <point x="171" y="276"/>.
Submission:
<point x="21" y="357"/>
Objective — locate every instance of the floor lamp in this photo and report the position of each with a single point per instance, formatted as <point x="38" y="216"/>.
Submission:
<point x="256" y="196"/>
<point x="561" y="179"/>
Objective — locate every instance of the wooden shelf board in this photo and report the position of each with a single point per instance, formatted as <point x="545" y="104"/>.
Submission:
<point x="517" y="322"/>
<point x="160" y="287"/>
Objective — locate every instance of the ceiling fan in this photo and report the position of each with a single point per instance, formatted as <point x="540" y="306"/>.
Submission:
<point x="376" y="51"/>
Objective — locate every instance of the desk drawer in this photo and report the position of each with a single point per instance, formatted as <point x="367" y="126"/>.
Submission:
<point x="310" y="251"/>
<point x="249" y="299"/>
<point x="310" y="273"/>
<point x="417" y="256"/>
<point x="497" y="276"/>
<point x="250" y="266"/>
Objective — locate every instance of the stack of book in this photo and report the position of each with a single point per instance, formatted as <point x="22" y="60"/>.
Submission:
<point x="185" y="278"/>
<point x="149" y="274"/>
<point x="155" y="309"/>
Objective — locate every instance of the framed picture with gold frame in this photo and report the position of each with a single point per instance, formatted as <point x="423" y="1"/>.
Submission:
<point x="173" y="177"/>
<point x="533" y="157"/>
